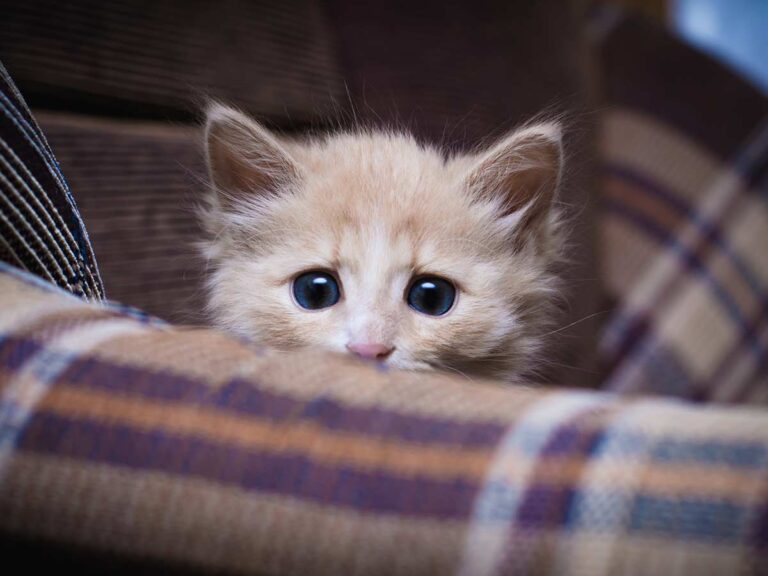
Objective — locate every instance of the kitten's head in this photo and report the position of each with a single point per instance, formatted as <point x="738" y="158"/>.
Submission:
<point x="372" y="244"/>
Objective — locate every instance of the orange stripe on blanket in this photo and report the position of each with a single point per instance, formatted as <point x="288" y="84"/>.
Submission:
<point x="297" y="436"/>
<point x="638" y="199"/>
<point x="668" y="480"/>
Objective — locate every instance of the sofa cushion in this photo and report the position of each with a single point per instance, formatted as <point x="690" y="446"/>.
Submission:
<point x="684" y="222"/>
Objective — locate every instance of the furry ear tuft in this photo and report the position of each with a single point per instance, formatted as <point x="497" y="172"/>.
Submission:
<point x="522" y="174"/>
<point x="244" y="158"/>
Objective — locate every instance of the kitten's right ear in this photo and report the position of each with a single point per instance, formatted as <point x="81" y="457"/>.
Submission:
<point x="244" y="158"/>
<point x="522" y="174"/>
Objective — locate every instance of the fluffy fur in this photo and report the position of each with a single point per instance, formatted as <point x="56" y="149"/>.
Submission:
<point x="377" y="209"/>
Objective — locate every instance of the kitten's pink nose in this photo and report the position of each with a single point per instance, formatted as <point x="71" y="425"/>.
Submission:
<point x="370" y="351"/>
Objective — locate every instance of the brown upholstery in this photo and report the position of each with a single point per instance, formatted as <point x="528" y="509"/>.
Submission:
<point x="137" y="185"/>
<point x="158" y="59"/>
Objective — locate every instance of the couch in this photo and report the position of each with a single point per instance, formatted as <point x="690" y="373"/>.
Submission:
<point x="135" y="445"/>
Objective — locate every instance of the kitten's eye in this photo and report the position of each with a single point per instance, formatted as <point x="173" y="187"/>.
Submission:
<point x="431" y="295"/>
<point x="315" y="290"/>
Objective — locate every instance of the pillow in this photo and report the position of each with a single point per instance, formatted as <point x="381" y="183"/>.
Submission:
<point x="684" y="221"/>
<point x="40" y="226"/>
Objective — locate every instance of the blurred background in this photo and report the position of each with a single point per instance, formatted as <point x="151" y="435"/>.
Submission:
<point x="117" y="88"/>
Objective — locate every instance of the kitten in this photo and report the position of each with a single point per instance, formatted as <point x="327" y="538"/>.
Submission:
<point x="372" y="244"/>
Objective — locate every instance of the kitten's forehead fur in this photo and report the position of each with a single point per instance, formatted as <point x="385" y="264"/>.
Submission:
<point x="378" y="209"/>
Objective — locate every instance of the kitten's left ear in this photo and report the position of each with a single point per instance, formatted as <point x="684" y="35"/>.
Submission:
<point x="244" y="158"/>
<point x="522" y="174"/>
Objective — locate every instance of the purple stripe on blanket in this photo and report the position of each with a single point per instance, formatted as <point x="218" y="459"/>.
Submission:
<point x="621" y="334"/>
<point x="688" y="518"/>
<point x="712" y="452"/>
<point x="757" y="325"/>
<point x="545" y="505"/>
<point x="15" y="352"/>
<point x="760" y="528"/>
<point x="573" y="439"/>
<point x="245" y="398"/>
<point x="289" y="474"/>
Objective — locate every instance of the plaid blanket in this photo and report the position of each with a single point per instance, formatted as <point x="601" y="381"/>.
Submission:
<point x="183" y="447"/>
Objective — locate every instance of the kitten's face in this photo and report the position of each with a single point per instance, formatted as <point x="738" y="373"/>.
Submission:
<point x="374" y="245"/>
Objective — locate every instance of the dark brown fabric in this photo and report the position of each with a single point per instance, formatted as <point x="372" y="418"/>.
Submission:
<point x="157" y="59"/>
<point x="137" y="186"/>
<point x="458" y="72"/>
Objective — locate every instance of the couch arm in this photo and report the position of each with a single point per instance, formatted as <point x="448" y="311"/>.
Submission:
<point x="126" y="440"/>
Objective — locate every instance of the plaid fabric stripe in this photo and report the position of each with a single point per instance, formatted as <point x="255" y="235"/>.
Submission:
<point x="218" y="455"/>
<point x="40" y="227"/>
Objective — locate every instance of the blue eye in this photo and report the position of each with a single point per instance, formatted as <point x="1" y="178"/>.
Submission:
<point x="431" y="295"/>
<point x="315" y="290"/>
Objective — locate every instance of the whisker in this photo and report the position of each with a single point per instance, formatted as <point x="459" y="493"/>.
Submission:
<point x="569" y="367"/>
<point x="441" y="366"/>
<point x="579" y="321"/>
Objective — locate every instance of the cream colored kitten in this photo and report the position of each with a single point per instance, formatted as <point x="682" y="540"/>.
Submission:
<point x="373" y="244"/>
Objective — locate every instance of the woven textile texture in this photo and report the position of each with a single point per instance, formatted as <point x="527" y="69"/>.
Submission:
<point x="184" y="446"/>
<point x="140" y="60"/>
<point x="40" y="227"/>
<point x="684" y="225"/>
